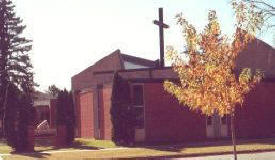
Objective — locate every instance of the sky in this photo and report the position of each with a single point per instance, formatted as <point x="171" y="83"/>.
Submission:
<point x="71" y="35"/>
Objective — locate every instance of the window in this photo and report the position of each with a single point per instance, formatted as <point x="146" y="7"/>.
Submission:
<point x="138" y="95"/>
<point x="138" y="105"/>
<point x="209" y="120"/>
<point x="139" y="117"/>
<point x="223" y="120"/>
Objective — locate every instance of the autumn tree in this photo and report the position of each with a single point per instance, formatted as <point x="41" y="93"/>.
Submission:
<point x="16" y="77"/>
<point x="266" y="8"/>
<point x="208" y="81"/>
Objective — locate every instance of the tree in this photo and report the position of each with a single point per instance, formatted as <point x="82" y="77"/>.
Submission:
<point x="65" y="113"/>
<point x="15" y="68"/>
<point x="266" y="9"/>
<point x="208" y="82"/>
<point x="53" y="90"/>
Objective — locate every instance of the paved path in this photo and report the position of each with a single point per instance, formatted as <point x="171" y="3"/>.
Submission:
<point x="250" y="156"/>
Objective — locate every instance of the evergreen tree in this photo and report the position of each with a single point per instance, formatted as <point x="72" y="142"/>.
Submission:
<point x="65" y="113"/>
<point x="53" y="90"/>
<point x="16" y="77"/>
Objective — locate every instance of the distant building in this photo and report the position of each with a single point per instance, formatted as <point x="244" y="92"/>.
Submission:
<point x="120" y="80"/>
<point x="44" y="104"/>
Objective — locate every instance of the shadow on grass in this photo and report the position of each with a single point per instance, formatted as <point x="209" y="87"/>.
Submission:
<point x="75" y="146"/>
<point x="43" y="147"/>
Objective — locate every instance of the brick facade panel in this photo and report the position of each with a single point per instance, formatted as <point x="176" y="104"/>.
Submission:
<point x="106" y="97"/>
<point x="257" y="114"/>
<point x="166" y="120"/>
<point x="86" y="115"/>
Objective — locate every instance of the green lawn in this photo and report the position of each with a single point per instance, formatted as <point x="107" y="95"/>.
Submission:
<point x="79" y="143"/>
<point x="94" y="143"/>
<point x="190" y="149"/>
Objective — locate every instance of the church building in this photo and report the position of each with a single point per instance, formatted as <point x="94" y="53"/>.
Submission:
<point x="122" y="95"/>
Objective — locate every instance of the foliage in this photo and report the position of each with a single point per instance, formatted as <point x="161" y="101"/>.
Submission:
<point x="208" y="82"/>
<point x="122" y="114"/>
<point x="16" y="77"/>
<point x="19" y="115"/>
<point x="65" y="113"/>
<point x="53" y="90"/>
<point x="266" y="9"/>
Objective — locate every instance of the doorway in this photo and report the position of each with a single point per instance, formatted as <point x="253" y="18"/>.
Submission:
<point x="216" y="126"/>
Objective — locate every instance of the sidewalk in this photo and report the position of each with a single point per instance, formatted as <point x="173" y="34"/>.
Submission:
<point x="251" y="156"/>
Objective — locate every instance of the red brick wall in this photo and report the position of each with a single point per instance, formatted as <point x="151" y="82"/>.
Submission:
<point x="53" y="113"/>
<point x="166" y="120"/>
<point x="106" y="103"/>
<point x="255" y="119"/>
<point x="101" y="113"/>
<point x="77" y="113"/>
<point x="86" y="115"/>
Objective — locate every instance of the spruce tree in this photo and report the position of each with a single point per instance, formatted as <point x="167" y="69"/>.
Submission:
<point x="65" y="114"/>
<point x="16" y="77"/>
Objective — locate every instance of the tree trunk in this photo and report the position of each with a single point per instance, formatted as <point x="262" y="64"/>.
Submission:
<point x="4" y="111"/>
<point x="233" y="135"/>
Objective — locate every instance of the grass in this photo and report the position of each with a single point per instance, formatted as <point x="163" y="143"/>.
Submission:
<point x="79" y="143"/>
<point x="204" y="148"/>
<point x="94" y="143"/>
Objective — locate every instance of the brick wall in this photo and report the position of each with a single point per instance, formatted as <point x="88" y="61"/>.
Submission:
<point x="166" y="120"/>
<point x="86" y="115"/>
<point x="53" y="113"/>
<point x="77" y="114"/>
<point x="106" y="104"/>
<point x="255" y="119"/>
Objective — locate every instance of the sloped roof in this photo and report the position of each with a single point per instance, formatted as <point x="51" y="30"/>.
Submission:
<point x="113" y="62"/>
<point x="258" y="55"/>
<point x="138" y="60"/>
<point x="42" y="98"/>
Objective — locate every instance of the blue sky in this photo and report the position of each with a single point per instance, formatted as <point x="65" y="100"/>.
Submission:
<point x="70" y="35"/>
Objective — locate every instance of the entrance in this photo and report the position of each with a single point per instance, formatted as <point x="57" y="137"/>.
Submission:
<point x="138" y="106"/>
<point x="216" y="126"/>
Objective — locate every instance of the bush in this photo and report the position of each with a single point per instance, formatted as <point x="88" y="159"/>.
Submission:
<point x="18" y="116"/>
<point x="65" y="113"/>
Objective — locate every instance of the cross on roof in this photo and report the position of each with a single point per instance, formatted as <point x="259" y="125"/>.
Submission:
<point x="161" y="37"/>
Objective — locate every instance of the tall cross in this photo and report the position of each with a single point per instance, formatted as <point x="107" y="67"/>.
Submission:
<point x="161" y="39"/>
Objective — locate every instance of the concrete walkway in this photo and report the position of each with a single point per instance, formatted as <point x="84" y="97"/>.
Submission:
<point x="250" y="156"/>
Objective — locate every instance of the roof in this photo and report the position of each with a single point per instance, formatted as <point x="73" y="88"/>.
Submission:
<point x="138" y="60"/>
<point x="42" y="99"/>
<point x="113" y="62"/>
<point x="258" y="55"/>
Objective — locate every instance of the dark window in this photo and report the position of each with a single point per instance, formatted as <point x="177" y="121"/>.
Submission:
<point x="138" y="105"/>
<point x="139" y="117"/>
<point x="223" y="119"/>
<point x="209" y="120"/>
<point x="138" y="95"/>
